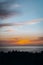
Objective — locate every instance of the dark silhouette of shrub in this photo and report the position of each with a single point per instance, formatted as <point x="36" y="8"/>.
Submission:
<point x="21" y="58"/>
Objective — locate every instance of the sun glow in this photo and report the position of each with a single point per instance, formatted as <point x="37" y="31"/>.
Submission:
<point x="23" y="42"/>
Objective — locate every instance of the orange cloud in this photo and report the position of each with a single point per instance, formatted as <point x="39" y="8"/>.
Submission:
<point x="22" y="41"/>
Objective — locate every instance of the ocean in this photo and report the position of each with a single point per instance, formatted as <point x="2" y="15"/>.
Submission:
<point x="22" y="48"/>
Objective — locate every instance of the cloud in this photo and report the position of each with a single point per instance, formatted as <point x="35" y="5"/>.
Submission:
<point x="20" y="41"/>
<point x="2" y="25"/>
<point x="39" y="41"/>
<point x="5" y="10"/>
<point x="15" y="6"/>
<point x="40" y="38"/>
<point x="35" y="21"/>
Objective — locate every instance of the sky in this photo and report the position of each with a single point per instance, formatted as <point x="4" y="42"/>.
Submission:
<point x="22" y="18"/>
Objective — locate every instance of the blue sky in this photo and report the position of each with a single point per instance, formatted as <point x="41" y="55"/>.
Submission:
<point x="29" y="10"/>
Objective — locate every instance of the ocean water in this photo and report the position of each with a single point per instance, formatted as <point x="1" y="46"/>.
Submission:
<point x="22" y="48"/>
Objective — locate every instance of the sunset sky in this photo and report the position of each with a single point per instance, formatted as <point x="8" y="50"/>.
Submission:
<point x="21" y="22"/>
